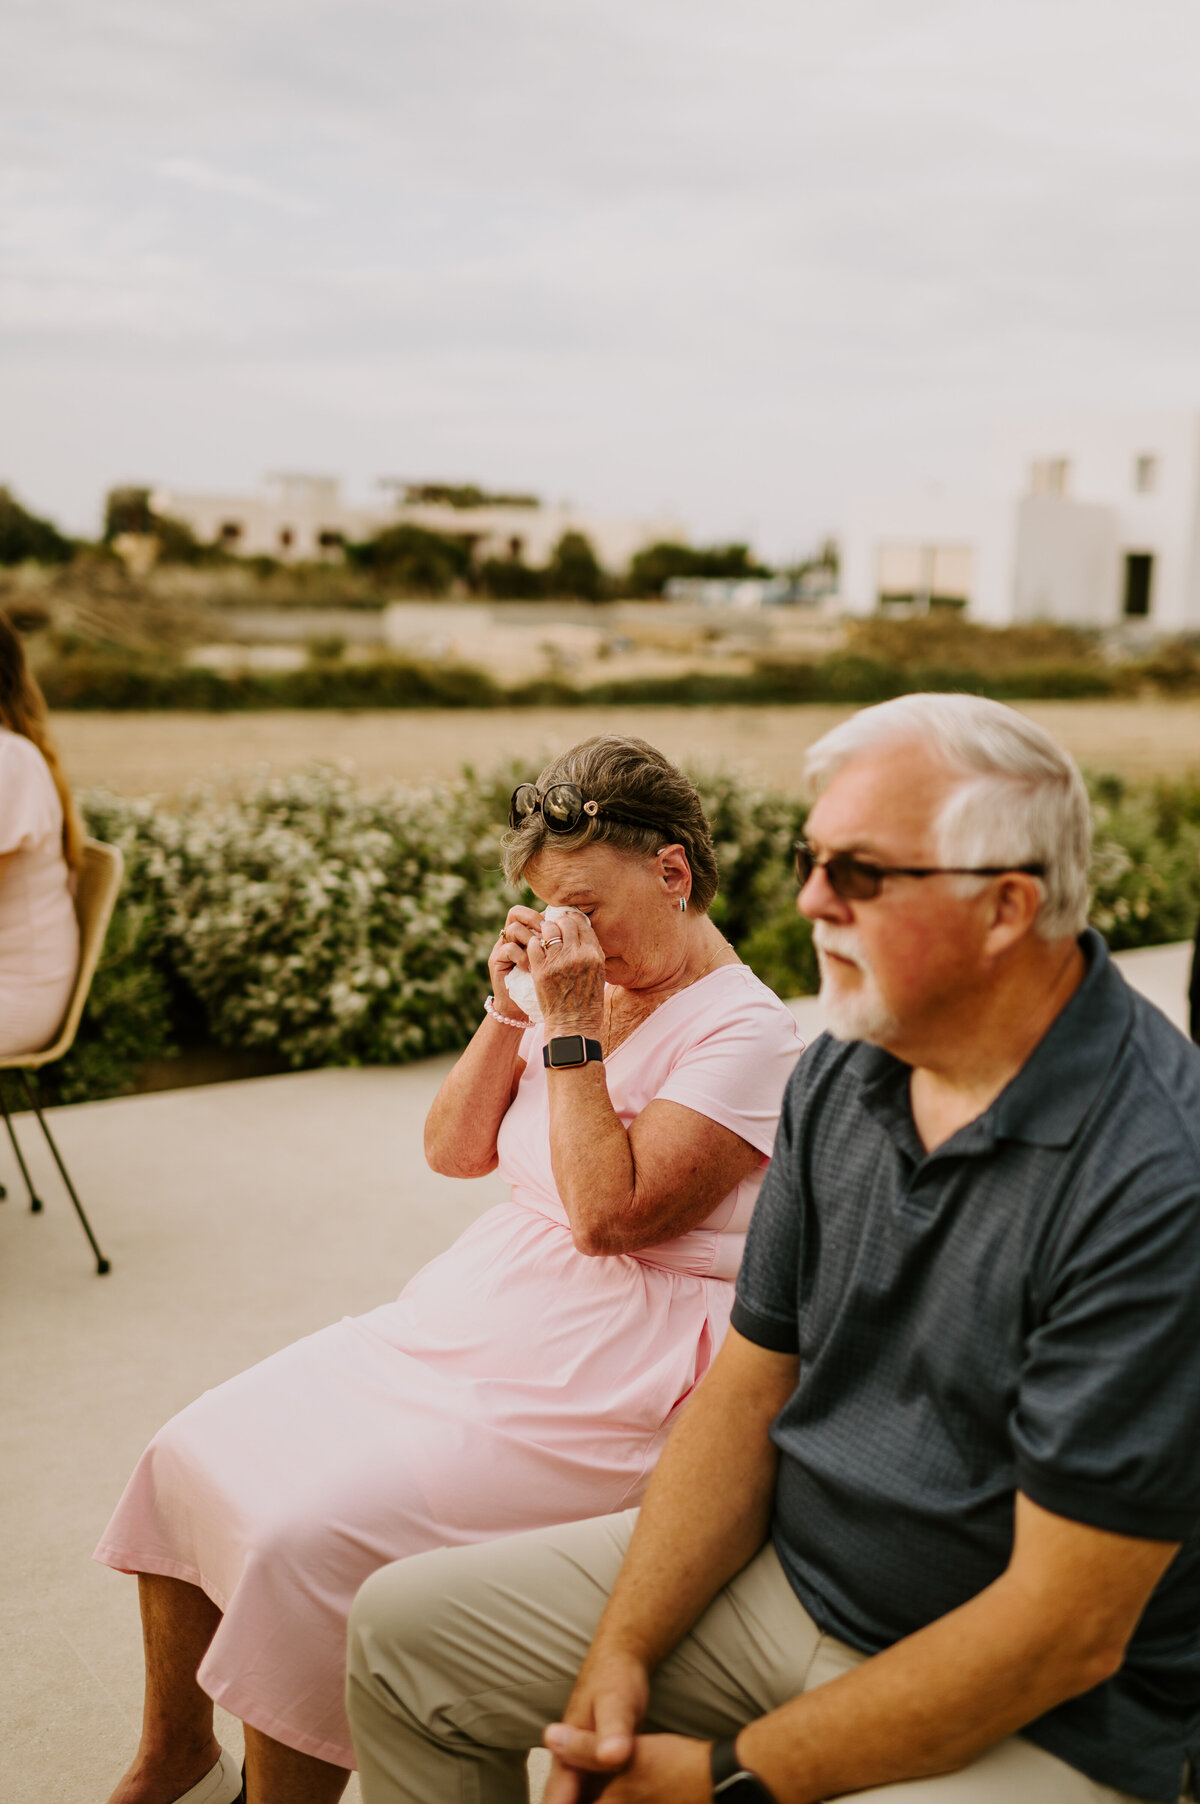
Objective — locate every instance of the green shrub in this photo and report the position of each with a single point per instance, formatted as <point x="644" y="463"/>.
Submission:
<point x="328" y="926"/>
<point x="135" y="1002"/>
<point x="335" y="928"/>
<point x="88" y="677"/>
<point x="1146" y="869"/>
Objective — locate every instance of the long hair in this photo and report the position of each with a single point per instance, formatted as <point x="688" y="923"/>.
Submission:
<point x="23" y="710"/>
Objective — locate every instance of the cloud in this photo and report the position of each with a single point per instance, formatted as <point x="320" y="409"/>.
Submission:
<point x="194" y="173"/>
<point x="748" y="259"/>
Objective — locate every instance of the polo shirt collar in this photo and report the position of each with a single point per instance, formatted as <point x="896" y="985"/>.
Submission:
<point x="1052" y="1094"/>
<point x="1048" y="1100"/>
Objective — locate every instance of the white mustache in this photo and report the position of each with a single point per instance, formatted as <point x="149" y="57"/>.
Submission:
<point x="842" y="941"/>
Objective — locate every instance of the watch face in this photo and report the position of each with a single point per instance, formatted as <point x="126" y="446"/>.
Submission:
<point x="568" y="1049"/>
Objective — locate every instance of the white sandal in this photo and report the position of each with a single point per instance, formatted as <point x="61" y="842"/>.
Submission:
<point x="222" y="1784"/>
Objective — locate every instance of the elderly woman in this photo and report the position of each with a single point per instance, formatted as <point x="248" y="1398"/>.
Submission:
<point x="528" y="1376"/>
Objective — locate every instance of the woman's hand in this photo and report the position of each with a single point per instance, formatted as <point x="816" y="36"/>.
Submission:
<point x="511" y="952"/>
<point x="567" y="962"/>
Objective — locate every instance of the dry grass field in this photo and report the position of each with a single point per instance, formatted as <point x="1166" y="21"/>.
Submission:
<point x="165" y="754"/>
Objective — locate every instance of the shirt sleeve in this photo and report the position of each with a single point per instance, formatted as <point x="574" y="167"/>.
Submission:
<point x="737" y="1073"/>
<point x="768" y="1284"/>
<point x="30" y="810"/>
<point x="1106" y="1427"/>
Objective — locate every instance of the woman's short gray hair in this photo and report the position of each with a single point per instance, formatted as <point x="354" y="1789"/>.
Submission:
<point x="1021" y="799"/>
<point x="627" y="773"/>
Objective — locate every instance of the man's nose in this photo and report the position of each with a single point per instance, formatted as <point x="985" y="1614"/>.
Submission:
<point x="818" y="899"/>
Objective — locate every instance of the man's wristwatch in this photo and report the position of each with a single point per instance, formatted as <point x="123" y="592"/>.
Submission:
<point x="565" y="1050"/>
<point x="731" y="1783"/>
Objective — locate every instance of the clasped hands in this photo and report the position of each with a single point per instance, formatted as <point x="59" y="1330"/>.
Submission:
<point x="566" y="962"/>
<point x="599" y="1754"/>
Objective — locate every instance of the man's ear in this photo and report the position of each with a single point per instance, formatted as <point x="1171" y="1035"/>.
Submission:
<point x="1016" y="903"/>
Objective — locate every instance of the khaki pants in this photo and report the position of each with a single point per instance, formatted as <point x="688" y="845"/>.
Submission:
<point x="458" y="1660"/>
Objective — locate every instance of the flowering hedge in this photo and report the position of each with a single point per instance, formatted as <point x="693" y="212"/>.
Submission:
<point x="324" y="925"/>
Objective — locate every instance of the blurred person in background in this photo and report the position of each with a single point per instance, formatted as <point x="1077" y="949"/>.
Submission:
<point x="529" y="1375"/>
<point x="41" y="842"/>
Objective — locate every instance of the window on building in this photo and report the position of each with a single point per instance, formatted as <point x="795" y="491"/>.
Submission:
<point x="1050" y="475"/>
<point x="330" y="539"/>
<point x="230" y="533"/>
<point x="1139" y="581"/>
<point x="916" y="577"/>
<point x="1145" y="473"/>
<point x="515" y="547"/>
<point x="286" y="536"/>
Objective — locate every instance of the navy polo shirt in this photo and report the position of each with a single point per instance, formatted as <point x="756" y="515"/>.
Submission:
<point x="1017" y="1310"/>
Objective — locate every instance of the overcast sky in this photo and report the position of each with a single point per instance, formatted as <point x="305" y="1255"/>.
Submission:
<point x="737" y="259"/>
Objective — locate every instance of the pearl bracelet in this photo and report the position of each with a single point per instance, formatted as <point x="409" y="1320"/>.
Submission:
<point x="489" y="1008"/>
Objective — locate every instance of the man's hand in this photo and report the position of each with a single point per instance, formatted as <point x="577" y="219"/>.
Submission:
<point x="665" y="1769"/>
<point x="598" y="1732"/>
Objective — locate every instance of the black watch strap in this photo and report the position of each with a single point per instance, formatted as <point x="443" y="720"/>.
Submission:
<point x="731" y="1783"/>
<point x="566" y="1050"/>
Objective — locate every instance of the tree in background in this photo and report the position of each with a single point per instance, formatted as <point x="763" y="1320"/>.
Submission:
<point x="652" y="569"/>
<point x="25" y="537"/>
<point x="413" y="560"/>
<point x="128" y="513"/>
<point x="574" y="569"/>
<point x="127" y="510"/>
<point x="508" y="579"/>
<point x="464" y="495"/>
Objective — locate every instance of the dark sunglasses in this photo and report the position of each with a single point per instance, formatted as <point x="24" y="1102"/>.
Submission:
<point x="856" y="880"/>
<point x="563" y="806"/>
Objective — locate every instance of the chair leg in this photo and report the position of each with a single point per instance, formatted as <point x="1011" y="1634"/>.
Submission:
<point x="35" y="1201"/>
<point x="102" y="1264"/>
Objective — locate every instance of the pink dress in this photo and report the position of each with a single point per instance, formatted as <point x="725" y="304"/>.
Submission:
<point x="39" y="935"/>
<point x="513" y="1384"/>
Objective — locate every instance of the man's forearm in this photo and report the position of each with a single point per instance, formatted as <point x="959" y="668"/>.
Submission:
<point x="929" y="1704"/>
<point x="708" y="1508"/>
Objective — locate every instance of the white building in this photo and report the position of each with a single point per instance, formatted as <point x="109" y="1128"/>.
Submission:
<point x="1091" y="522"/>
<point x="303" y="517"/>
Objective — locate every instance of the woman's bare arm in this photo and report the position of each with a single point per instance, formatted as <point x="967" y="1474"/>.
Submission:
<point x="627" y="1188"/>
<point x="462" y="1125"/>
<point x="623" y="1188"/>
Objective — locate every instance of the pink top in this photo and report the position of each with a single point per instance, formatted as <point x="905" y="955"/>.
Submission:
<point x="39" y="935"/>
<point x="724" y="1047"/>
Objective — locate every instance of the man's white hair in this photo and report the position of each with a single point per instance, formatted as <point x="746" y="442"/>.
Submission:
<point x="1021" y="799"/>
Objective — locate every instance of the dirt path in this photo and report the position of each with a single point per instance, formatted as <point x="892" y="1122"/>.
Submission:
<point x="140" y="754"/>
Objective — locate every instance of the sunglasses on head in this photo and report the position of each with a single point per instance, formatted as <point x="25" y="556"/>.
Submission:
<point x="563" y="806"/>
<point x="858" y="880"/>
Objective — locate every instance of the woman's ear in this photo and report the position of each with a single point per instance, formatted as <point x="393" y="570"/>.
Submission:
<point x="674" y="872"/>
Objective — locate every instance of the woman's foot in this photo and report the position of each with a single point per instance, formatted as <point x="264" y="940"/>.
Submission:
<point x="209" y="1776"/>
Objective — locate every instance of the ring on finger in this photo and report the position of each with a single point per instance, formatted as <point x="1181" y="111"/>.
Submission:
<point x="548" y="943"/>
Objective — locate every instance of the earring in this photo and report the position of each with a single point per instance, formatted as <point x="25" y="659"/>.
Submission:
<point x="683" y="905"/>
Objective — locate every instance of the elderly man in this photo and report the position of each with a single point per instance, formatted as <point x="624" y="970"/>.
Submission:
<point x="930" y="1529"/>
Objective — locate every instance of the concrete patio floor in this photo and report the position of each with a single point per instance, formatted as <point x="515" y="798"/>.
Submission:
<point x="237" y="1217"/>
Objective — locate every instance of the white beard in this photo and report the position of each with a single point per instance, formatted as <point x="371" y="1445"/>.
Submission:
<point x="861" y="1014"/>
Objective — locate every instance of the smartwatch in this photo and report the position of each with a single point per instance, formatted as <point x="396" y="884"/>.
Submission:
<point x="566" y="1050"/>
<point x="731" y="1783"/>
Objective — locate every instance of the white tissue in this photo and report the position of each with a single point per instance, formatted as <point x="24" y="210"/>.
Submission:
<point x="519" y="984"/>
